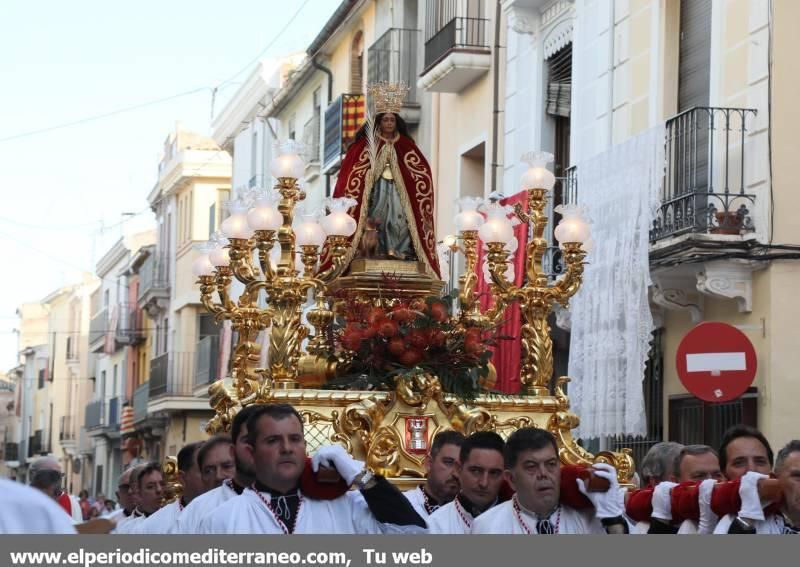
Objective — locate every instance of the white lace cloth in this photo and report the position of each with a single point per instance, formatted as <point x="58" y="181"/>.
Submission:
<point x="611" y="323"/>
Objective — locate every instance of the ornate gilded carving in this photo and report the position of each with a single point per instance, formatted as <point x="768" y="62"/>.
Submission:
<point x="173" y="489"/>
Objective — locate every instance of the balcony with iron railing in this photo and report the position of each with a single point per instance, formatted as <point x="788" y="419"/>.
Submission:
<point x="141" y="396"/>
<point x="95" y="415"/>
<point x="114" y="412"/>
<point x="456" y="55"/>
<point x="393" y="58"/>
<point x="67" y="428"/>
<point x="98" y="327"/>
<point x="172" y="374"/>
<point x="130" y="327"/>
<point x="705" y="189"/>
<point x="565" y="192"/>
<point x="343" y="117"/>
<point x="154" y="283"/>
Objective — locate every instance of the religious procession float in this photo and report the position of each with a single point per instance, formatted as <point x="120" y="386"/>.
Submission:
<point x="363" y="339"/>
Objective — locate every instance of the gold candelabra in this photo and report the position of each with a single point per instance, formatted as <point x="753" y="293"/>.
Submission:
<point x="536" y="296"/>
<point x="273" y="291"/>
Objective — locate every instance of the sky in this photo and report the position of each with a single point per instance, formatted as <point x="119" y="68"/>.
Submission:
<point x="67" y="191"/>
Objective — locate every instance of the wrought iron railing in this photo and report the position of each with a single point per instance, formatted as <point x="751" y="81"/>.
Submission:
<point x="458" y="33"/>
<point x="704" y="188"/>
<point x="95" y="414"/>
<point x="129" y="330"/>
<point x="172" y="374"/>
<point x="343" y="117"/>
<point x="114" y="409"/>
<point x="98" y="326"/>
<point x="393" y="58"/>
<point x="565" y="192"/>
<point x="153" y="275"/>
<point x="141" y="395"/>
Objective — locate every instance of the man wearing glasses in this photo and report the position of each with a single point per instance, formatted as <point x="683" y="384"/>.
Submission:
<point x="125" y="497"/>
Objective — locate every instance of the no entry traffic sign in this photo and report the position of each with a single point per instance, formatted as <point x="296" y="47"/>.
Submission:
<point x="716" y="362"/>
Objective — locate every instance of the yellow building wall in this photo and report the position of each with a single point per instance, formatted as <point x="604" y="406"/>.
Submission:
<point x="184" y="428"/>
<point x="456" y="135"/>
<point x="340" y="57"/>
<point x="783" y="386"/>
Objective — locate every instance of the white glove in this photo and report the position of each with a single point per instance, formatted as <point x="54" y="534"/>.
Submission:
<point x="335" y="456"/>
<point x="606" y="504"/>
<point x="662" y="500"/>
<point x="708" y="519"/>
<point x="752" y="507"/>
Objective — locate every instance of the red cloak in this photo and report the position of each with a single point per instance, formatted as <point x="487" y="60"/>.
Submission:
<point x="414" y="185"/>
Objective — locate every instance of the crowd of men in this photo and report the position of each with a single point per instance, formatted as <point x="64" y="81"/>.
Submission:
<point x="260" y="480"/>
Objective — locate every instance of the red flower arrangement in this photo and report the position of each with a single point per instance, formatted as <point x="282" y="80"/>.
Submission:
<point x="417" y="335"/>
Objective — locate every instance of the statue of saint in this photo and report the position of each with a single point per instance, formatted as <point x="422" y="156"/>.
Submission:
<point x="386" y="173"/>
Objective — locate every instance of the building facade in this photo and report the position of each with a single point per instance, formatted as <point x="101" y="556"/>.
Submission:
<point x="193" y="184"/>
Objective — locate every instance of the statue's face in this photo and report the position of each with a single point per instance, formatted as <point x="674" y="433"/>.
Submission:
<point x="388" y="124"/>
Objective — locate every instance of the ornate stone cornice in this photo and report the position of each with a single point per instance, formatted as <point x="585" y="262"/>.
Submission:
<point x="675" y="292"/>
<point x="729" y="279"/>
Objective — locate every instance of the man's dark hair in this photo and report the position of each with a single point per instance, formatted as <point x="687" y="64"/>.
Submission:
<point x="241" y="420"/>
<point x="146" y="470"/>
<point x="186" y="456"/>
<point x="693" y="450"/>
<point x="402" y="127"/>
<point x="209" y="445"/>
<point x="275" y="411"/>
<point x="736" y="432"/>
<point x="481" y="440"/>
<point x="449" y="437"/>
<point x="792" y="446"/>
<point x="527" y="439"/>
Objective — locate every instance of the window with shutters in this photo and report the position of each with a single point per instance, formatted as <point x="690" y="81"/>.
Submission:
<point x="694" y="58"/>
<point x="693" y="421"/>
<point x="559" y="82"/>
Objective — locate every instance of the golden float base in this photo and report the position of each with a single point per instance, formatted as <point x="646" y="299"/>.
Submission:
<point x="371" y="277"/>
<point x="392" y="430"/>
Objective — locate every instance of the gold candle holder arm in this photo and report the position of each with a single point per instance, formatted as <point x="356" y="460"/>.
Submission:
<point x="265" y="240"/>
<point x="223" y="279"/>
<point x="241" y="255"/>
<point x="498" y="262"/>
<point x="207" y="287"/>
<point x="338" y="249"/>
<point x="569" y="284"/>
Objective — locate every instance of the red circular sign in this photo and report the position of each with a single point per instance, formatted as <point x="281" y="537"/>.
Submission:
<point x="716" y="362"/>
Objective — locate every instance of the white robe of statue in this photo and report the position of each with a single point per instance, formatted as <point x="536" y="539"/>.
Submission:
<point x="347" y="514"/>
<point x="25" y="510"/>
<point x="502" y="519"/>
<point x="190" y="519"/>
